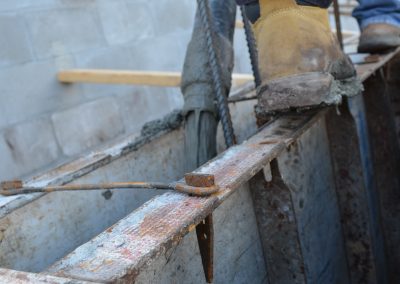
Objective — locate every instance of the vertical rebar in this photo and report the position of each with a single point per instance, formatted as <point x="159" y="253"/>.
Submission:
<point x="252" y="46"/>
<point x="221" y="97"/>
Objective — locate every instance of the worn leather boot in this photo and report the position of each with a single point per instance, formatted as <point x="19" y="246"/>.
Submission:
<point x="377" y="38"/>
<point x="301" y="63"/>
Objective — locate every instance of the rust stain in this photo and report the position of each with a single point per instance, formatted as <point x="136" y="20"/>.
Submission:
<point x="196" y="191"/>
<point x="270" y="141"/>
<point x="104" y="263"/>
<point x="155" y="224"/>
<point x="21" y="276"/>
<point x="7" y="185"/>
<point x="127" y="253"/>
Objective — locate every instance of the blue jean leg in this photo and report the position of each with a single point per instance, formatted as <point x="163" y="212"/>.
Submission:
<point x="377" y="11"/>
<point x="317" y="3"/>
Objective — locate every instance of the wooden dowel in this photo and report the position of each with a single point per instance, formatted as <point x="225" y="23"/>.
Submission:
<point x="148" y="78"/>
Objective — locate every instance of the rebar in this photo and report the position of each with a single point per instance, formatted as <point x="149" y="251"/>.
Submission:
<point x="221" y="97"/>
<point x="252" y="46"/>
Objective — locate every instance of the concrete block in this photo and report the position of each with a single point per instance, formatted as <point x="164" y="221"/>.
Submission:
<point x="8" y="168"/>
<point x="114" y="57"/>
<point x="242" y="57"/>
<point x="12" y="5"/>
<point x="87" y="125"/>
<point x="163" y="101"/>
<point x="144" y="104"/>
<point x="32" y="89"/>
<point x="77" y="3"/>
<point x="27" y="147"/>
<point x="171" y="16"/>
<point x="123" y="22"/>
<point x="163" y="53"/>
<point x="14" y="42"/>
<point x="134" y="109"/>
<point x="63" y="31"/>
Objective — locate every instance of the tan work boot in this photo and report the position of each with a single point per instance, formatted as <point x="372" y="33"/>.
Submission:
<point x="301" y="63"/>
<point x="377" y="38"/>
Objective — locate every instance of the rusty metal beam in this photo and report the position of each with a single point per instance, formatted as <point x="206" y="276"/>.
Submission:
<point x="122" y="251"/>
<point x="299" y="214"/>
<point x="204" y="230"/>
<point x="393" y="87"/>
<point x="119" y="253"/>
<point x="278" y="228"/>
<point x="386" y="161"/>
<point x="205" y="238"/>
<point x="356" y="192"/>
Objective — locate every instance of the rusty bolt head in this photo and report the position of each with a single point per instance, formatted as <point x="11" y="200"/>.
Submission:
<point x="8" y="185"/>
<point x="200" y="180"/>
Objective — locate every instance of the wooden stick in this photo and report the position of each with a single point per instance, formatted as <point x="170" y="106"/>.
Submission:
<point x="148" y="78"/>
<point x="239" y="25"/>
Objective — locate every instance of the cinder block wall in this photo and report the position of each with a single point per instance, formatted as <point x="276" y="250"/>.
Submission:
<point x="42" y="122"/>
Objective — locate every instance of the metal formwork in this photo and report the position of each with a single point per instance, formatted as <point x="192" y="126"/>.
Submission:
<point x="325" y="189"/>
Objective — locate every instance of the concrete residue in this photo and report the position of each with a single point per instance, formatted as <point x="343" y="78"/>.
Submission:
<point x="153" y="129"/>
<point x="171" y="121"/>
<point x="350" y="87"/>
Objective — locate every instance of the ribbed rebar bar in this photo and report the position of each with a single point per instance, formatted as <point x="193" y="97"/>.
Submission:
<point x="221" y="97"/>
<point x="252" y="46"/>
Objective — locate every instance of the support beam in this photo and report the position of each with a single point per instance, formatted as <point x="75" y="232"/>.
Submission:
<point x="356" y="192"/>
<point x="393" y="87"/>
<point x="386" y="161"/>
<point x="161" y="223"/>
<point x="298" y="216"/>
<point x="277" y="226"/>
<point x="149" y="78"/>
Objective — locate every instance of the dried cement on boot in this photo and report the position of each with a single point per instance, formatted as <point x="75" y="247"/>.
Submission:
<point x="349" y="87"/>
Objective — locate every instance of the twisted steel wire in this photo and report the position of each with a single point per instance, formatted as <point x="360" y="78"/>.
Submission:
<point x="252" y="46"/>
<point x="221" y="97"/>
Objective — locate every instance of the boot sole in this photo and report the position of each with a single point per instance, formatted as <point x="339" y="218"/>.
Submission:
<point x="303" y="92"/>
<point x="378" y="43"/>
